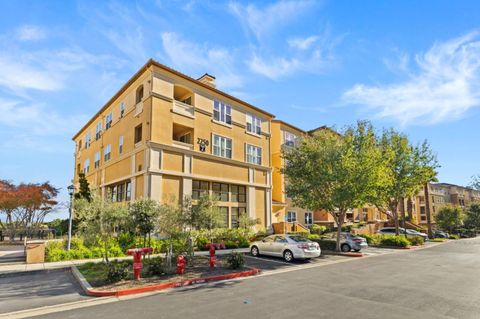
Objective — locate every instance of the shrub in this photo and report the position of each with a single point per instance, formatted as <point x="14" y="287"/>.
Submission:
<point x="117" y="271"/>
<point x="452" y="236"/>
<point x="395" y="241"/>
<point x="372" y="239"/>
<point x="416" y="240"/>
<point x="235" y="260"/>
<point x="154" y="267"/>
<point x="313" y="236"/>
<point x="317" y="229"/>
<point x="326" y="244"/>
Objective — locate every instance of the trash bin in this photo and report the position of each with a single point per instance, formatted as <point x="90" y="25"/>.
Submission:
<point x="35" y="251"/>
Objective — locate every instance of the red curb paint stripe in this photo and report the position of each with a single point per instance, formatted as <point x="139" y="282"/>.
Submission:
<point x="168" y="285"/>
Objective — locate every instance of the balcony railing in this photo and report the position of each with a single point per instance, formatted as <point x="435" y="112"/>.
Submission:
<point x="183" y="108"/>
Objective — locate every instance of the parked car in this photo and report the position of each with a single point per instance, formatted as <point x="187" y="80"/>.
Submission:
<point x="409" y="232"/>
<point x="289" y="247"/>
<point x="440" y="234"/>
<point x="349" y="241"/>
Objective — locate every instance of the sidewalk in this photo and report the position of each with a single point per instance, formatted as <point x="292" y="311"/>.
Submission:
<point x="14" y="268"/>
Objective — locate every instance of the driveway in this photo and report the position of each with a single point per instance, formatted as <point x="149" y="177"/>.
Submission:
<point x="34" y="289"/>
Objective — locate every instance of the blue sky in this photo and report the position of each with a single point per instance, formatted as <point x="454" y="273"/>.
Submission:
<point x="412" y="65"/>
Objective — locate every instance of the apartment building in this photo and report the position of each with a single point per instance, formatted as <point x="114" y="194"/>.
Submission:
<point x="167" y="136"/>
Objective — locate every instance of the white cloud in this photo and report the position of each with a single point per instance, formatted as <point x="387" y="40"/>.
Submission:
<point x="273" y="68"/>
<point x="30" y="33"/>
<point x="444" y="86"/>
<point x="261" y="21"/>
<point x="193" y="57"/>
<point x="302" y="43"/>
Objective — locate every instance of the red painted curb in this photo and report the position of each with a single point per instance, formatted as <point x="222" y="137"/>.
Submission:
<point x="168" y="285"/>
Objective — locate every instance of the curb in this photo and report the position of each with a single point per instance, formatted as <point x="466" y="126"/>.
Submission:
<point x="348" y="254"/>
<point x="87" y="288"/>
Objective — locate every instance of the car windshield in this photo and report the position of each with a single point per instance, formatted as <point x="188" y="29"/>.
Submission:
<point x="410" y="231"/>
<point x="298" y="239"/>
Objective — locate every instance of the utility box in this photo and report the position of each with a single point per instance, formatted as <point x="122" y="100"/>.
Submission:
<point x="35" y="252"/>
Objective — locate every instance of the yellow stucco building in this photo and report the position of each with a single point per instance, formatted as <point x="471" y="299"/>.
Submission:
<point x="166" y="136"/>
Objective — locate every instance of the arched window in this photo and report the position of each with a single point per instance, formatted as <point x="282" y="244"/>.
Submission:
<point x="139" y="94"/>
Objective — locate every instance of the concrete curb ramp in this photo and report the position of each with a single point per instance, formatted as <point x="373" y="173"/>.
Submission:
<point x="87" y="288"/>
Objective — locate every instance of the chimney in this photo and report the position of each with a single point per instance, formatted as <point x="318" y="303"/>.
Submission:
<point x="208" y="80"/>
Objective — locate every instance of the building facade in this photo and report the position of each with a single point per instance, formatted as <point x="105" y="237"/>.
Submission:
<point x="167" y="136"/>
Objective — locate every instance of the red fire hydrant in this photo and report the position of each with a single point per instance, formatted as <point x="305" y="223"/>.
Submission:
<point x="180" y="265"/>
<point x="213" y="258"/>
<point x="137" y="260"/>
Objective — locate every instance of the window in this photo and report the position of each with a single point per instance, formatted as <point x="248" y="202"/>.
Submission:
<point x="308" y="218"/>
<point x="224" y="212"/>
<point x="238" y="193"/>
<point x="86" y="166"/>
<point x="78" y="169"/>
<point x="222" y="146"/>
<point x="290" y="139"/>
<point x="120" y="192"/>
<point x="138" y="133"/>
<point x="88" y="139"/>
<point x="96" y="164"/>
<point x="108" y="121"/>
<point x="98" y="131"/>
<point x="122" y="109"/>
<point x="291" y="217"/>
<point x="220" y="191"/>
<point x="186" y="138"/>
<point x="128" y="190"/>
<point x="187" y="100"/>
<point x="79" y="145"/>
<point x="222" y="112"/>
<point x="107" y="152"/>
<point x="235" y="215"/>
<point x="199" y="188"/>
<point x="254" y="154"/>
<point x="139" y="95"/>
<point x="120" y="145"/>
<point x="422" y="210"/>
<point x="254" y="124"/>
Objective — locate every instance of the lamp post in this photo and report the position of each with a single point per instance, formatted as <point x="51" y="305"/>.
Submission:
<point x="71" y="192"/>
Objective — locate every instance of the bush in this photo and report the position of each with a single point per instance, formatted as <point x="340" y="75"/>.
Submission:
<point x="317" y="229"/>
<point x="117" y="271"/>
<point x="233" y="238"/>
<point x="153" y="267"/>
<point x="416" y="241"/>
<point x="395" y="241"/>
<point x="452" y="236"/>
<point x="326" y="244"/>
<point x="372" y="240"/>
<point x="235" y="260"/>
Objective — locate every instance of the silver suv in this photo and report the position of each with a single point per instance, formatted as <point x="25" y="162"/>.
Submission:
<point x="409" y="232"/>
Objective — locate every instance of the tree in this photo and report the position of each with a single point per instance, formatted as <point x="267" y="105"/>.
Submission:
<point x="100" y="220"/>
<point x="144" y="214"/>
<point x="408" y="167"/>
<point x="246" y="222"/>
<point x="333" y="172"/>
<point x="449" y="218"/>
<point x="170" y="223"/>
<point x="84" y="188"/>
<point x="472" y="217"/>
<point x="475" y="182"/>
<point x="203" y="214"/>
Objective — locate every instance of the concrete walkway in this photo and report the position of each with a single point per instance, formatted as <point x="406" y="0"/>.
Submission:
<point x="5" y="269"/>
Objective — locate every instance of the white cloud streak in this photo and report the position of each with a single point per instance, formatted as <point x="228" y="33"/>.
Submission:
<point x="30" y="33"/>
<point x="302" y="43"/>
<point x="443" y="87"/>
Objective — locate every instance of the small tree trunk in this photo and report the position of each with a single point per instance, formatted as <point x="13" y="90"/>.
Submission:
<point x="340" y="219"/>
<point x="105" y="245"/>
<point x="410" y="208"/>
<point x="427" y="209"/>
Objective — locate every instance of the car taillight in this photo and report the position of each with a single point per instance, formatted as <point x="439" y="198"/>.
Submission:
<point x="303" y="246"/>
<point x="357" y="240"/>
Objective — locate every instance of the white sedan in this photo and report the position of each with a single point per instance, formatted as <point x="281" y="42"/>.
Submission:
<point x="289" y="247"/>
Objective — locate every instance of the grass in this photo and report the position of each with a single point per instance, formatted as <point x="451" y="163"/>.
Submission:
<point x="438" y="240"/>
<point x="94" y="273"/>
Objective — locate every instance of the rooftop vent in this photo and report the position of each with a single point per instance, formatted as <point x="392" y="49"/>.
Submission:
<point x="208" y="80"/>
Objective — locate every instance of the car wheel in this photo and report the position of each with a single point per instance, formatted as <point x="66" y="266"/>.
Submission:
<point x="288" y="256"/>
<point x="356" y="250"/>
<point x="254" y="251"/>
<point x="345" y="248"/>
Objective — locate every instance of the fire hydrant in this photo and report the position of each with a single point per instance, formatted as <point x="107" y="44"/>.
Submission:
<point x="213" y="258"/>
<point x="180" y="265"/>
<point x="137" y="260"/>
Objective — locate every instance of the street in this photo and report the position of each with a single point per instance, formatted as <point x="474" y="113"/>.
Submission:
<point x="438" y="282"/>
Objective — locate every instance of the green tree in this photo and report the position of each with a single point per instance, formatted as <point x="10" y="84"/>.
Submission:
<point x="475" y="182"/>
<point x="472" y="216"/>
<point x="204" y="213"/>
<point x="170" y="223"/>
<point x="408" y="167"/>
<point x="143" y="214"/>
<point x="333" y="172"/>
<point x="84" y="188"/>
<point x="101" y="220"/>
<point x="449" y="218"/>
<point x="245" y="222"/>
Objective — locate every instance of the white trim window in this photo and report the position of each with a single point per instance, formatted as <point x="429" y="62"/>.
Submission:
<point x="222" y="112"/>
<point x="254" y="124"/>
<point x="291" y="217"/>
<point x="290" y="139"/>
<point x="108" y="121"/>
<point x="308" y="218"/>
<point x="86" y="166"/>
<point x="221" y="146"/>
<point x="96" y="163"/>
<point x="98" y="130"/>
<point x="254" y="154"/>
<point x="107" y="152"/>
<point x="88" y="140"/>
<point x="122" y="109"/>
<point x="120" y="144"/>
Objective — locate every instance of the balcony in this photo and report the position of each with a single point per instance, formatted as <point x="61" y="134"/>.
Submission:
<point x="182" y="136"/>
<point x="183" y="109"/>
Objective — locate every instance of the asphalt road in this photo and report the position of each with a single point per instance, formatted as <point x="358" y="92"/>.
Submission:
<point x="439" y="282"/>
